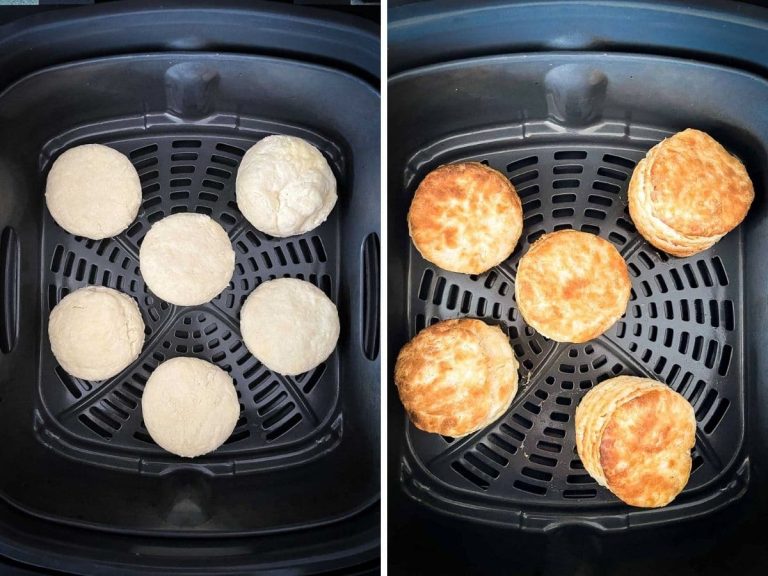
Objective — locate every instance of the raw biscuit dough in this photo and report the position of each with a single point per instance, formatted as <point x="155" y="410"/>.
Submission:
<point x="93" y="191"/>
<point x="187" y="259"/>
<point x="96" y="332"/>
<point x="285" y="186"/>
<point x="190" y="406"/>
<point x="289" y="325"/>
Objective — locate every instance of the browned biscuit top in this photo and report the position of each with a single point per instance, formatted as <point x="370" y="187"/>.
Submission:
<point x="698" y="188"/>
<point x="455" y="376"/>
<point x="572" y="286"/>
<point x="645" y="449"/>
<point x="465" y="217"/>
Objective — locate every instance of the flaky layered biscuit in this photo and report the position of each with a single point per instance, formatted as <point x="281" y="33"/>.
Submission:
<point x="456" y="376"/>
<point x="593" y="412"/>
<point x="688" y="192"/>
<point x="465" y="217"/>
<point x="634" y="436"/>
<point x="572" y="286"/>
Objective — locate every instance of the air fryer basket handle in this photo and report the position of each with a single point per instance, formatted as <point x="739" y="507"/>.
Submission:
<point x="9" y="289"/>
<point x="370" y="288"/>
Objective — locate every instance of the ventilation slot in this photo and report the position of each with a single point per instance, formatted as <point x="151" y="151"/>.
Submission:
<point x="611" y="173"/>
<point x="543" y="460"/>
<point x="568" y="169"/>
<point x="499" y="442"/>
<point x="717" y="416"/>
<point x="706" y="404"/>
<point x="576" y="494"/>
<point x="94" y="427"/>
<point x="187" y="144"/>
<point x="519" y="164"/>
<point x="470" y="476"/>
<point x="233" y="150"/>
<point x="312" y="381"/>
<point x="143" y="151"/>
<point x="69" y="383"/>
<point x="548" y="446"/>
<point x="480" y="465"/>
<point x="530" y="488"/>
<point x="570" y="155"/>
<point x="9" y="289"/>
<point x="491" y="455"/>
<point x="370" y="299"/>
<point x="579" y="479"/>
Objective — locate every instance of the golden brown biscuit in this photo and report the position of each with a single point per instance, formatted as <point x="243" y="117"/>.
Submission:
<point x="572" y="286"/>
<point x="465" y="217"/>
<point x="456" y="376"/>
<point x="634" y="436"/>
<point x="688" y="192"/>
<point x="592" y="416"/>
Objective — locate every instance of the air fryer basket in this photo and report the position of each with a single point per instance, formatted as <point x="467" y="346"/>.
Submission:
<point x="304" y="455"/>
<point x="568" y="130"/>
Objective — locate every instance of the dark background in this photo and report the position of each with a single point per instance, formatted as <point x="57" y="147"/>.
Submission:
<point x="363" y="8"/>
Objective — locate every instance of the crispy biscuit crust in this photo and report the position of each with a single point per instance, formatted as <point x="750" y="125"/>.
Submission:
<point x="456" y="376"/>
<point x="645" y="450"/>
<point x="688" y="192"/>
<point x="592" y="415"/>
<point x="634" y="436"/>
<point x="572" y="286"/>
<point x="465" y="217"/>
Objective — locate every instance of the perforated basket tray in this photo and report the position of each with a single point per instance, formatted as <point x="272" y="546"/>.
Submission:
<point x="684" y="324"/>
<point x="79" y="451"/>
<point x="284" y="420"/>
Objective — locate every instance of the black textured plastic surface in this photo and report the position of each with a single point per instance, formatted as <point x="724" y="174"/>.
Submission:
<point x="284" y="420"/>
<point x="185" y="123"/>
<point x="140" y="75"/>
<point x="568" y="129"/>
<point x="680" y="327"/>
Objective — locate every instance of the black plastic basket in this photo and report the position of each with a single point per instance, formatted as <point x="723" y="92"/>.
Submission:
<point x="568" y="130"/>
<point x="302" y="465"/>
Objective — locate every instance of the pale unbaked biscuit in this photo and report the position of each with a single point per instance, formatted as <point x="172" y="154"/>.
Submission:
<point x="190" y="406"/>
<point x="93" y="191"/>
<point x="96" y="332"/>
<point x="465" y="218"/>
<point x="285" y="186"/>
<point x="572" y="286"/>
<point x="186" y="259"/>
<point x="456" y="376"/>
<point x="634" y="436"/>
<point x="688" y="192"/>
<point x="289" y="325"/>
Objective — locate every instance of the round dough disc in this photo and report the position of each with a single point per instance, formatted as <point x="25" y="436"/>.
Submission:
<point x="289" y="325"/>
<point x="190" y="406"/>
<point x="187" y="259"/>
<point x="285" y="186"/>
<point x="96" y="332"/>
<point x="93" y="191"/>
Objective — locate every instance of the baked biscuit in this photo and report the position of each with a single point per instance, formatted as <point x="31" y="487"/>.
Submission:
<point x="634" y="436"/>
<point x="572" y="286"/>
<point x="688" y="192"/>
<point x="465" y="218"/>
<point x="456" y="376"/>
